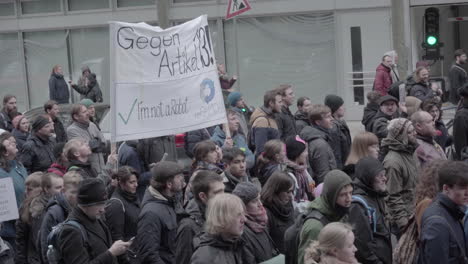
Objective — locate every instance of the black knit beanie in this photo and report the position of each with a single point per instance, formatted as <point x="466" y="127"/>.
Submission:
<point x="334" y="102"/>
<point x="294" y="147"/>
<point x="91" y="192"/>
<point x="39" y="122"/>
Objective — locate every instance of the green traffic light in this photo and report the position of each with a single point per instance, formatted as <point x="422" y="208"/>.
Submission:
<point x="431" y="40"/>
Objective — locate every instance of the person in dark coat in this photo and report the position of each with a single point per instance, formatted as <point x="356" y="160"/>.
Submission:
<point x="236" y="102"/>
<point x="222" y="242"/>
<point x="340" y="131"/>
<point x="270" y="160"/>
<point x="460" y="124"/>
<point x="285" y="119"/>
<point x="443" y="138"/>
<point x="389" y="109"/>
<point x="235" y="170"/>
<point x="20" y="130"/>
<point x="256" y="233"/>
<point x="38" y="151"/>
<point x="88" y="86"/>
<point x="77" y="152"/>
<point x="157" y="222"/>
<point x="422" y="89"/>
<point x="91" y="202"/>
<point x="302" y="119"/>
<point x="442" y="237"/>
<point x="52" y="109"/>
<point x="277" y="197"/>
<point x="123" y="208"/>
<point x="372" y="241"/>
<point x="58" y="88"/>
<point x="321" y="157"/>
<point x="8" y="112"/>
<point x="383" y="78"/>
<point x="457" y="76"/>
<point x="128" y="156"/>
<point x="58" y="209"/>
<point x="370" y="110"/>
<point x="195" y="136"/>
<point x="205" y="185"/>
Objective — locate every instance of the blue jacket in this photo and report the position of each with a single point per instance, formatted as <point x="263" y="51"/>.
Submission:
<point x="58" y="89"/>
<point x="239" y="142"/>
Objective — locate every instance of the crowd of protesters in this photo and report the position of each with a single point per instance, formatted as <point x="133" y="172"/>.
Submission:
<point x="268" y="186"/>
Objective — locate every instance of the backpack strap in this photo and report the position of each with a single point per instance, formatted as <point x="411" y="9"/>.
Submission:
<point x="120" y="201"/>
<point x="317" y="215"/>
<point x="75" y="224"/>
<point x="370" y="212"/>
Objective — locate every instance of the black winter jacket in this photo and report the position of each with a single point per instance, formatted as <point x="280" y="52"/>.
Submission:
<point x="286" y="123"/>
<point x="157" y="229"/>
<point x="215" y="249"/>
<point x="460" y="129"/>
<point x="368" y="116"/>
<point x="60" y="132"/>
<point x="95" y="251"/>
<point x="302" y="120"/>
<point x="442" y="237"/>
<point x="5" y="121"/>
<point x="457" y="77"/>
<point x="444" y="139"/>
<point x="280" y="217"/>
<point x="56" y="212"/>
<point x="91" y="91"/>
<point x="21" y="138"/>
<point x="189" y="231"/>
<point x="195" y="136"/>
<point x="37" y="154"/>
<point x="260" y="245"/>
<point x="122" y="212"/>
<point x="341" y="142"/>
<point x="58" y="89"/>
<point x="422" y="91"/>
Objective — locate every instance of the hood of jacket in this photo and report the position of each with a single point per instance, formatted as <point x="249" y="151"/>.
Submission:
<point x="19" y="134"/>
<point x="301" y="116"/>
<point x="219" y="242"/>
<point x="313" y="132"/>
<point x="154" y="196"/>
<point x="59" y="199"/>
<point x="196" y="209"/>
<point x="365" y="171"/>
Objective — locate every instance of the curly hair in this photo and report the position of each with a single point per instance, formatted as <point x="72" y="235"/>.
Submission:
<point x="428" y="184"/>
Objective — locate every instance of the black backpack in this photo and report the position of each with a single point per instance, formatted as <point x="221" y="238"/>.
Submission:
<point x="54" y="255"/>
<point x="292" y="234"/>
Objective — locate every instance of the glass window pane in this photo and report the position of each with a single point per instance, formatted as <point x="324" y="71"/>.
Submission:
<point x="44" y="50"/>
<point x="303" y="57"/>
<point x="40" y="6"/>
<point x="11" y="73"/>
<point x="130" y="3"/>
<point x="7" y="9"/>
<point x="75" y="5"/>
<point x="90" y="47"/>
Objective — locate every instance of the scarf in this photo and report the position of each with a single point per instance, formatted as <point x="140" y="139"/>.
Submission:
<point x="257" y="220"/>
<point x="131" y="197"/>
<point x="281" y="211"/>
<point x="303" y="192"/>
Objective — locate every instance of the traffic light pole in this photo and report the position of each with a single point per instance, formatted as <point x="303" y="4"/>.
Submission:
<point x="401" y="36"/>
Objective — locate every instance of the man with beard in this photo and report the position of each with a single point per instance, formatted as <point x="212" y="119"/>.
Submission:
<point x="422" y="89"/>
<point x="401" y="170"/>
<point x="302" y="119"/>
<point x="457" y="76"/>
<point x="8" y="112"/>
<point x="51" y="108"/>
<point x="387" y="111"/>
<point x="428" y="150"/>
<point x="372" y="237"/>
<point x="284" y="118"/>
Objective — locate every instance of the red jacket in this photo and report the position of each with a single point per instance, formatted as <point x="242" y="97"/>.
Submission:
<point x="383" y="79"/>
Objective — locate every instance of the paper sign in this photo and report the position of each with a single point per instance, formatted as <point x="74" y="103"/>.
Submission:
<point x="8" y="207"/>
<point x="164" y="82"/>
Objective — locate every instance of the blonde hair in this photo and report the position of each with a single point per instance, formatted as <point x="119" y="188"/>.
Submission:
<point x="72" y="146"/>
<point x="34" y="179"/>
<point x="72" y="179"/>
<point x="332" y="236"/>
<point x="221" y="211"/>
<point x="360" y="146"/>
<point x="318" y="112"/>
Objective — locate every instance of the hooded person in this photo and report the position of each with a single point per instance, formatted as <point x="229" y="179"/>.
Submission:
<point x="256" y="235"/>
<point x="372" y="240"/>
<point x="401" y="169"/>
<point x="332" y="206"/>
<point x="340" y="133"/>
<point x="236" y="102"/>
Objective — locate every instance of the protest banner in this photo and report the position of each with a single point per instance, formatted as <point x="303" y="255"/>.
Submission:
<point x="8" y="206"/>
<point x="163" y="82"/>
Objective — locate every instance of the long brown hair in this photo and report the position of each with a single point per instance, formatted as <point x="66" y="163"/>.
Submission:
<point x="278" y="182"/>
<point x="428" y="184"/>
<point x="360" y="146"/>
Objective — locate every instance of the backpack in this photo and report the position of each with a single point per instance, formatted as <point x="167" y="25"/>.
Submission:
<point x="250" y="136"/>
<point x="54" y="256"/>
<point x="370" y="212"/>
<point x="292" y="234"/>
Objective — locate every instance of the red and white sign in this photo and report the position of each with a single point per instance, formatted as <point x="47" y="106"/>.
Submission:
<point x="237" y="7"/>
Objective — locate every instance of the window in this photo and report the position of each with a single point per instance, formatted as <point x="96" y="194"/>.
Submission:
<point x="7" y="9"/>
<point x="40" y="6"/>
<point x="76" y="5"/>
<point x="132" y="3"/>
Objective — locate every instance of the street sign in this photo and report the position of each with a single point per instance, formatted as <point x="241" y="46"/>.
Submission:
<point x="237" y="7"/>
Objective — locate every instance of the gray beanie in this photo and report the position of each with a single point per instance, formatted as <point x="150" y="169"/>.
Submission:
<point x="247" y="191"/>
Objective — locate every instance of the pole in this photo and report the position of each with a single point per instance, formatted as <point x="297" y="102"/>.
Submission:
<point x="162" y="7"/>
<point x="400" y="33"/>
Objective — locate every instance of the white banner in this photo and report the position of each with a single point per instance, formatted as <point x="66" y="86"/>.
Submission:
<point x="8" y="206"/>
<point x="163" y="81"/>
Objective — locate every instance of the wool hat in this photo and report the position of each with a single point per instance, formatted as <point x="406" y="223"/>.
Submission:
<point x="165" y="170"/>
<point x="91" y="191"/>
<point x="386" y="98"/>
<point x="334" y="102"/>
<point x="40" y="122"/>
<point x="367" y="169"/>
<point x="233" y="98"/>
<point x="294" y="147"/>
<point x="86" y="102"/>
<point x="247" y="191"/>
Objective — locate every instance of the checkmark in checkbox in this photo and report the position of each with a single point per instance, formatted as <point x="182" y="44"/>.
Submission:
<point x="129" y="113"/>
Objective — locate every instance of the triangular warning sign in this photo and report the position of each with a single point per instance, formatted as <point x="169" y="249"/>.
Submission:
<point x="237" y="7"/>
